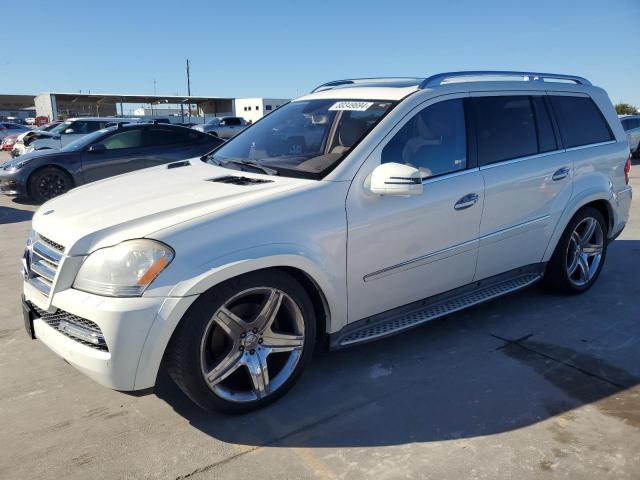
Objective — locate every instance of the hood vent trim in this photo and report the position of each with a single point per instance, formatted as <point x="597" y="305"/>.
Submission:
<point x="239" y="180"/>
<point x="184" y="163"/>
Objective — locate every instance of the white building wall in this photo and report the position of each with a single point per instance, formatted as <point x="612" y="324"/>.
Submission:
<point x="252" y="109"/>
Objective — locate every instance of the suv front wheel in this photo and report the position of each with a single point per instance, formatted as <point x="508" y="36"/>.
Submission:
<point x="579" y="256"/>
<point x="244" y="343"/>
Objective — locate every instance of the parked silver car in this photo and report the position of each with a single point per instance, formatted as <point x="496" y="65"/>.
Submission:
<point x="631" y="125"/>
<point x="225" y="127"/>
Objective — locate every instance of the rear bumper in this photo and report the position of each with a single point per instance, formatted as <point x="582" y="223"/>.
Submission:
<point x="623" y="205"/>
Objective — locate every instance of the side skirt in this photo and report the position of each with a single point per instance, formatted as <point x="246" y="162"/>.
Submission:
<point x="408" y="316"/>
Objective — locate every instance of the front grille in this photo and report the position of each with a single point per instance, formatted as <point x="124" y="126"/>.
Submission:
<point x="55" y="319"/>
<point x="41" y="261"/>
<point x="51" y="243"/>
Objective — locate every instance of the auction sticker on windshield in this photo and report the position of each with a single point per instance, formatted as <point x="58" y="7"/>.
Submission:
<point x="352" y="106"/>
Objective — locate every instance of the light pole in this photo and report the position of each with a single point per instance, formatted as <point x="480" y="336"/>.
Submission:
<point x="189" y="89"/>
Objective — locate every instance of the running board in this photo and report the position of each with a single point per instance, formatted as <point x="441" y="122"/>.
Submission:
<point x="417" y="313"/>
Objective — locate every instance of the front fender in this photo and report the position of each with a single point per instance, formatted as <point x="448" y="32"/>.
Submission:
<point x="237" y="263"/>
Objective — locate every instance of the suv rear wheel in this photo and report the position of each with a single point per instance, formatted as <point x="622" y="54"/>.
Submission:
<point x="579" y="256"/>
<point x="243" y="344"/>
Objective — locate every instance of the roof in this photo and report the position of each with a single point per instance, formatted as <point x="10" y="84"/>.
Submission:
<point x="396" y="88"/>
<point x="127" y="98"/>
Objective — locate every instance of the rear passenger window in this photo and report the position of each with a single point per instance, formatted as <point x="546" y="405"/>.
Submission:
<point x="433" y="141"/>
<point x="580" y="121"/>
<point x="166" y="136"/>
<point x="505" y="128"/>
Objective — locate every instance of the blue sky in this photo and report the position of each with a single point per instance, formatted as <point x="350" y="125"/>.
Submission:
<point x="283" y="49"/>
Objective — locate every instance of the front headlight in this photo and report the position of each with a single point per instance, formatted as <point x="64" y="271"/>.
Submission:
<point x="124" y="270"/>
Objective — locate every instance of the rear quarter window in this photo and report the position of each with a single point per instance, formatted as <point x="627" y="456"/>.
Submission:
<point x="580" y="121"/>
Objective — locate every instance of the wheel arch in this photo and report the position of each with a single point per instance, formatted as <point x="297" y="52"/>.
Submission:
<point x="326" y="306"/>
<point x="48" y="165"/>
<point x="600" y="201"/>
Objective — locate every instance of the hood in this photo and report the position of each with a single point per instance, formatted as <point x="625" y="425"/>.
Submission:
<point x="32" y="156"/>
<point x="137" y="204"/>
<point x="33" y="135"/>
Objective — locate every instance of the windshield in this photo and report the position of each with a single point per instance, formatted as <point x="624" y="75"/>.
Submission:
<point x="84" y="141"/>
<point x="61" y="128"/>
<point x="303" y="138"/>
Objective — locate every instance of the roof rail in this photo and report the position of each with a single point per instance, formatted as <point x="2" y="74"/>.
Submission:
<point x="372" y="81"/>
<point x="440" y="78"/>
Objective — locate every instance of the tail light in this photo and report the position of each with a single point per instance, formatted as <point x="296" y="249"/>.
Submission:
<point x="627" y="170"/>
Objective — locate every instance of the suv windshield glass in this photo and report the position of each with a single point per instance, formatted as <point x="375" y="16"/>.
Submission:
<point x="303" y="138"/>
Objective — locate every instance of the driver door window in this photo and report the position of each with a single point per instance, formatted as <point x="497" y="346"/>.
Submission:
<point x="433" y="141"/>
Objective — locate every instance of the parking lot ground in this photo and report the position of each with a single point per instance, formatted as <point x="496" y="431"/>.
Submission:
<point x="529" y="386"/>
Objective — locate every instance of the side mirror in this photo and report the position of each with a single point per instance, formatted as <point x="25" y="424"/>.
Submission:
<point x="395" y="179"/>
<point x="97" y="147"/>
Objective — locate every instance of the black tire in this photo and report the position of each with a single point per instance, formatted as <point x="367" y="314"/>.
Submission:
<point x="557" y="278"/>
<point x="183" y="358"/>
<point x="47" y="183"/>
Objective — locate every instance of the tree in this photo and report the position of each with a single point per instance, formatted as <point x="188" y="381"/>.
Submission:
<point x="626" y="109"/>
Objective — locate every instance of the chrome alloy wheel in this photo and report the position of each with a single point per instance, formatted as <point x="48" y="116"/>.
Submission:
<point x="252" y="344"/>
<point x="584" y="251"/>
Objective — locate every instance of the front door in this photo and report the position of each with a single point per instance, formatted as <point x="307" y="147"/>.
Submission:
<point x="123" y="152"/>
<point x="403" y="249"/>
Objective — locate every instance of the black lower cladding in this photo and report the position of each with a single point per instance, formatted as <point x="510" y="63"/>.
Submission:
<point x="54" y="320"/>
<point x="27" y="315"/>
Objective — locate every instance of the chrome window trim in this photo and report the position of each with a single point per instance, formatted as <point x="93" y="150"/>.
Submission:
<point x="446" y="176"/>
<point x="589" y="145"/>
<point x="520" y="159"/>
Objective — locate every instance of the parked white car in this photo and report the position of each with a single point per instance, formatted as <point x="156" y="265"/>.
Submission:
<point x="426" y="196"/>
<point x="631" y="126"/>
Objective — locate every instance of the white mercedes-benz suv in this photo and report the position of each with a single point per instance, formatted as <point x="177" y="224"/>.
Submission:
<point x="411" y="198"/>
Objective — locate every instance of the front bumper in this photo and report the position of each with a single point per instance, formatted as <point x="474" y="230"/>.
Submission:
<point x="125" y="324"/>
<point x="11" y="184"/>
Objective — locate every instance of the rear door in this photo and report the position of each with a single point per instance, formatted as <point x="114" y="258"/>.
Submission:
<point x="123" y="152"/>
<point x="526" y="174"/>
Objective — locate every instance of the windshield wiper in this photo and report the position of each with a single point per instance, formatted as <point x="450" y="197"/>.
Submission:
<point x="256" y="165"/>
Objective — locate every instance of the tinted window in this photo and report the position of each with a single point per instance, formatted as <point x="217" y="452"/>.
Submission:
<point x="505" y="128"/>
<point x="434" y="140"/>
<point x="126" y="139"/>
<point x="626" y="124"/>
<point x="233" y="121"/>
<point x="170" y="136"/>
<point x="580" y="121"/>
<point x="546" y="137"/>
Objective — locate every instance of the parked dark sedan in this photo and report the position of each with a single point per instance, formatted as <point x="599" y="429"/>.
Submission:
<point x="122" y="148"/>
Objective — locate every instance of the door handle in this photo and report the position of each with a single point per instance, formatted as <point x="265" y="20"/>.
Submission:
<point x="467" y="201"/>
<point x="560" y="174"/>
